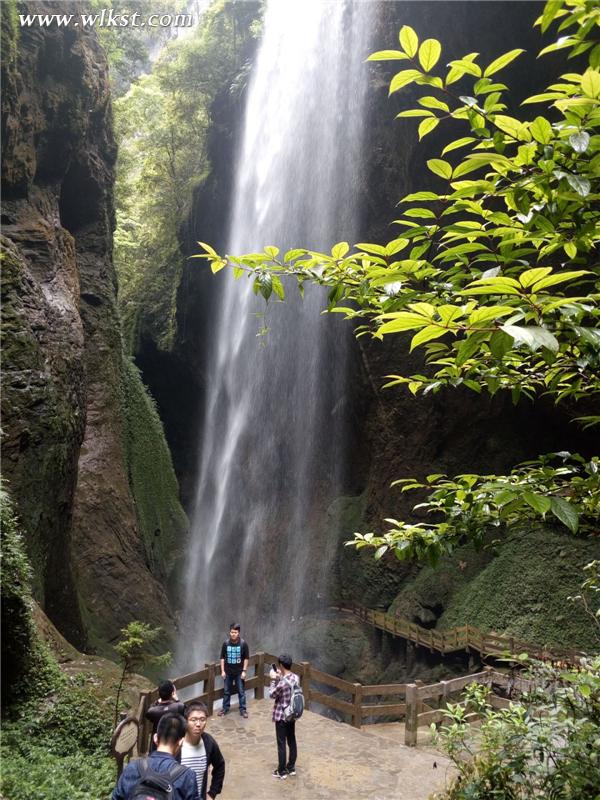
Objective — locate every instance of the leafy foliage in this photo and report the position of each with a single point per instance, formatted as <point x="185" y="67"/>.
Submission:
<point x="545" y="745"/>
<point x="162" y="126"/>
<point x="495" y="275"/>
<point x="561" y="486"/>
<point x="30" y="772"/>
<point x="28" y="669"/>
<point x="58" y="746"/>
<point x="128" y="47"/>
<point x="134" y="651"/>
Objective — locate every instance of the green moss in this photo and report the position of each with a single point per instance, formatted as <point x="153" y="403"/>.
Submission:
<point x="361" y="579"/>
<point x="520" y="588"/>
<point x="161" y="519"/>
<point x="10" y="32"/>
<point x="28" y="668"/>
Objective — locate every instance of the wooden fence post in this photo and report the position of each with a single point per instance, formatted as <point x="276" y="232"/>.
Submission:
<point x="445" y="694"/>
<point x="259" y="692"/>
<point x="305" y="682"/>
<point x="143" y="728"/>
<point x="412" y="711"/>
<point x="357" y="699"/>
<point x="209" y="687"/>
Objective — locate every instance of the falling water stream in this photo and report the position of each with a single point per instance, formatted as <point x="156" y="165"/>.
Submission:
<point x="274" y="433"/>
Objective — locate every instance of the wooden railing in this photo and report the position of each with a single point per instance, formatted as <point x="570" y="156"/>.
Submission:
<point x="464" y="638"/>
<point x="419" y="713"/>
<point x="349" y="700"/>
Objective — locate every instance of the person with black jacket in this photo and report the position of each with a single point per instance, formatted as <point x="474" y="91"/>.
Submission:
<point x="200" y="751"/>
<point x="234" y="663"/>
<point x="167" y="703"/>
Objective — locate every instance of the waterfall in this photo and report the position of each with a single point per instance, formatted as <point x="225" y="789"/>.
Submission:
<point x="273" y="442"/>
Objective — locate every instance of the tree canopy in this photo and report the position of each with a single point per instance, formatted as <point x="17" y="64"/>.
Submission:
<point x="494" y="276"/>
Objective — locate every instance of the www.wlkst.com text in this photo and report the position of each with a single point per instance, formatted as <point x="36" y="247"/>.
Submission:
<point x="106" y="18"/>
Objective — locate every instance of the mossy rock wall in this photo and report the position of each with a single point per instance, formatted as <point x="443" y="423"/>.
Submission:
<point x="77" y="447"/>
<point x="518" y="587"/>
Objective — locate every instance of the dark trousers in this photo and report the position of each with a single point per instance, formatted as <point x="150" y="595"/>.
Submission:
<point x="231" y="684"/>
<point x="286" y="732"/>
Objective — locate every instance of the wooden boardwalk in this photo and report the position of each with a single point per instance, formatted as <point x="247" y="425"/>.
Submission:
<point x="467" y="637"/>
<point x="335" y="760"/>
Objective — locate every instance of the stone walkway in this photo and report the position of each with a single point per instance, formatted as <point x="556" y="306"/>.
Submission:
<point x="335" y="761"/>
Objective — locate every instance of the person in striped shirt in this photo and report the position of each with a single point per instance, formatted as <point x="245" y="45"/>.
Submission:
<point x="200" y="751"/>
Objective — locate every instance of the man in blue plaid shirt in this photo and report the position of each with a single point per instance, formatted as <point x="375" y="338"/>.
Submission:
<point x="282" y="680"/>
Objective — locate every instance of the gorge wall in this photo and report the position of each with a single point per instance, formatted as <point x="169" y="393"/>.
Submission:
<point x="71" y="444"/>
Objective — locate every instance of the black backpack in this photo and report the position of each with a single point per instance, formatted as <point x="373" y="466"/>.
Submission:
<point x="154" y="785"/>
<point x="296" y="707"/>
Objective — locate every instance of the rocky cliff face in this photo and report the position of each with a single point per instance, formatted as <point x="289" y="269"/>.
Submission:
<point x="63" y="405"/>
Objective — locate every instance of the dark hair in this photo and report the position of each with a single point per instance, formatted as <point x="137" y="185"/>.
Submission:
<point x="171" y="728"/>
<point x="235" y="626"/>
<point x="195" y="705"/>
<point x="285" y="660"/>
<point x="165" y="689"/>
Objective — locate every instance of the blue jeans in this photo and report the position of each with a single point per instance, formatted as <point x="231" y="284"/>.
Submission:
<point x="234" y="683"/>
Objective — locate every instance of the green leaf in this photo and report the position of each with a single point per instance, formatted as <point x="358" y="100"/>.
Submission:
<point x="429" y="54"/>
<point x="531" y="276"/>
<point x="561" y="277"/>
<point x="426" y="335"/>
<point x="542" y="98"/>
<point x="500" y="344"/>
<point x="208" y="249"/>
<point x="272" y="252"/>
<point x="465" y="167"/>
<point x="532" y="337"/>
<point x="560" y="44"/>
<point x="502" y="61"/>
<point x="387" y="55"/>
<point x="420" y="212"/>
<point x="581" y="185"/>
<point x="278" y="287"/>
<point x="218" y="265"/>
<point x="467" y="348"/>
<point x="541" y="130"/>
<point x="427" y="126"/>
<point x="433" y="102"/>
<point x="458" y="143"/>
<point x="440" y="167"/>
<point x="403" y="78"/>
<point x="292" y="255"/>
<point x="513" y="127"/>
<point x="565" y="512"/>
<point x="409" y="40"/>
<point x="339" y="250"/>
<point x="403" y="321"/>
<point x="420" y="196"/>
<point x="415" y="112"/>
<point x="538" y="502"/>
<point x="590" y="83"/>
<point x="579" y="141"/>
<point x="460" y="67"/>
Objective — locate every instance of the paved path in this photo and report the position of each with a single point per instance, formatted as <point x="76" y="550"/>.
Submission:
<point x="335" y="761"/>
